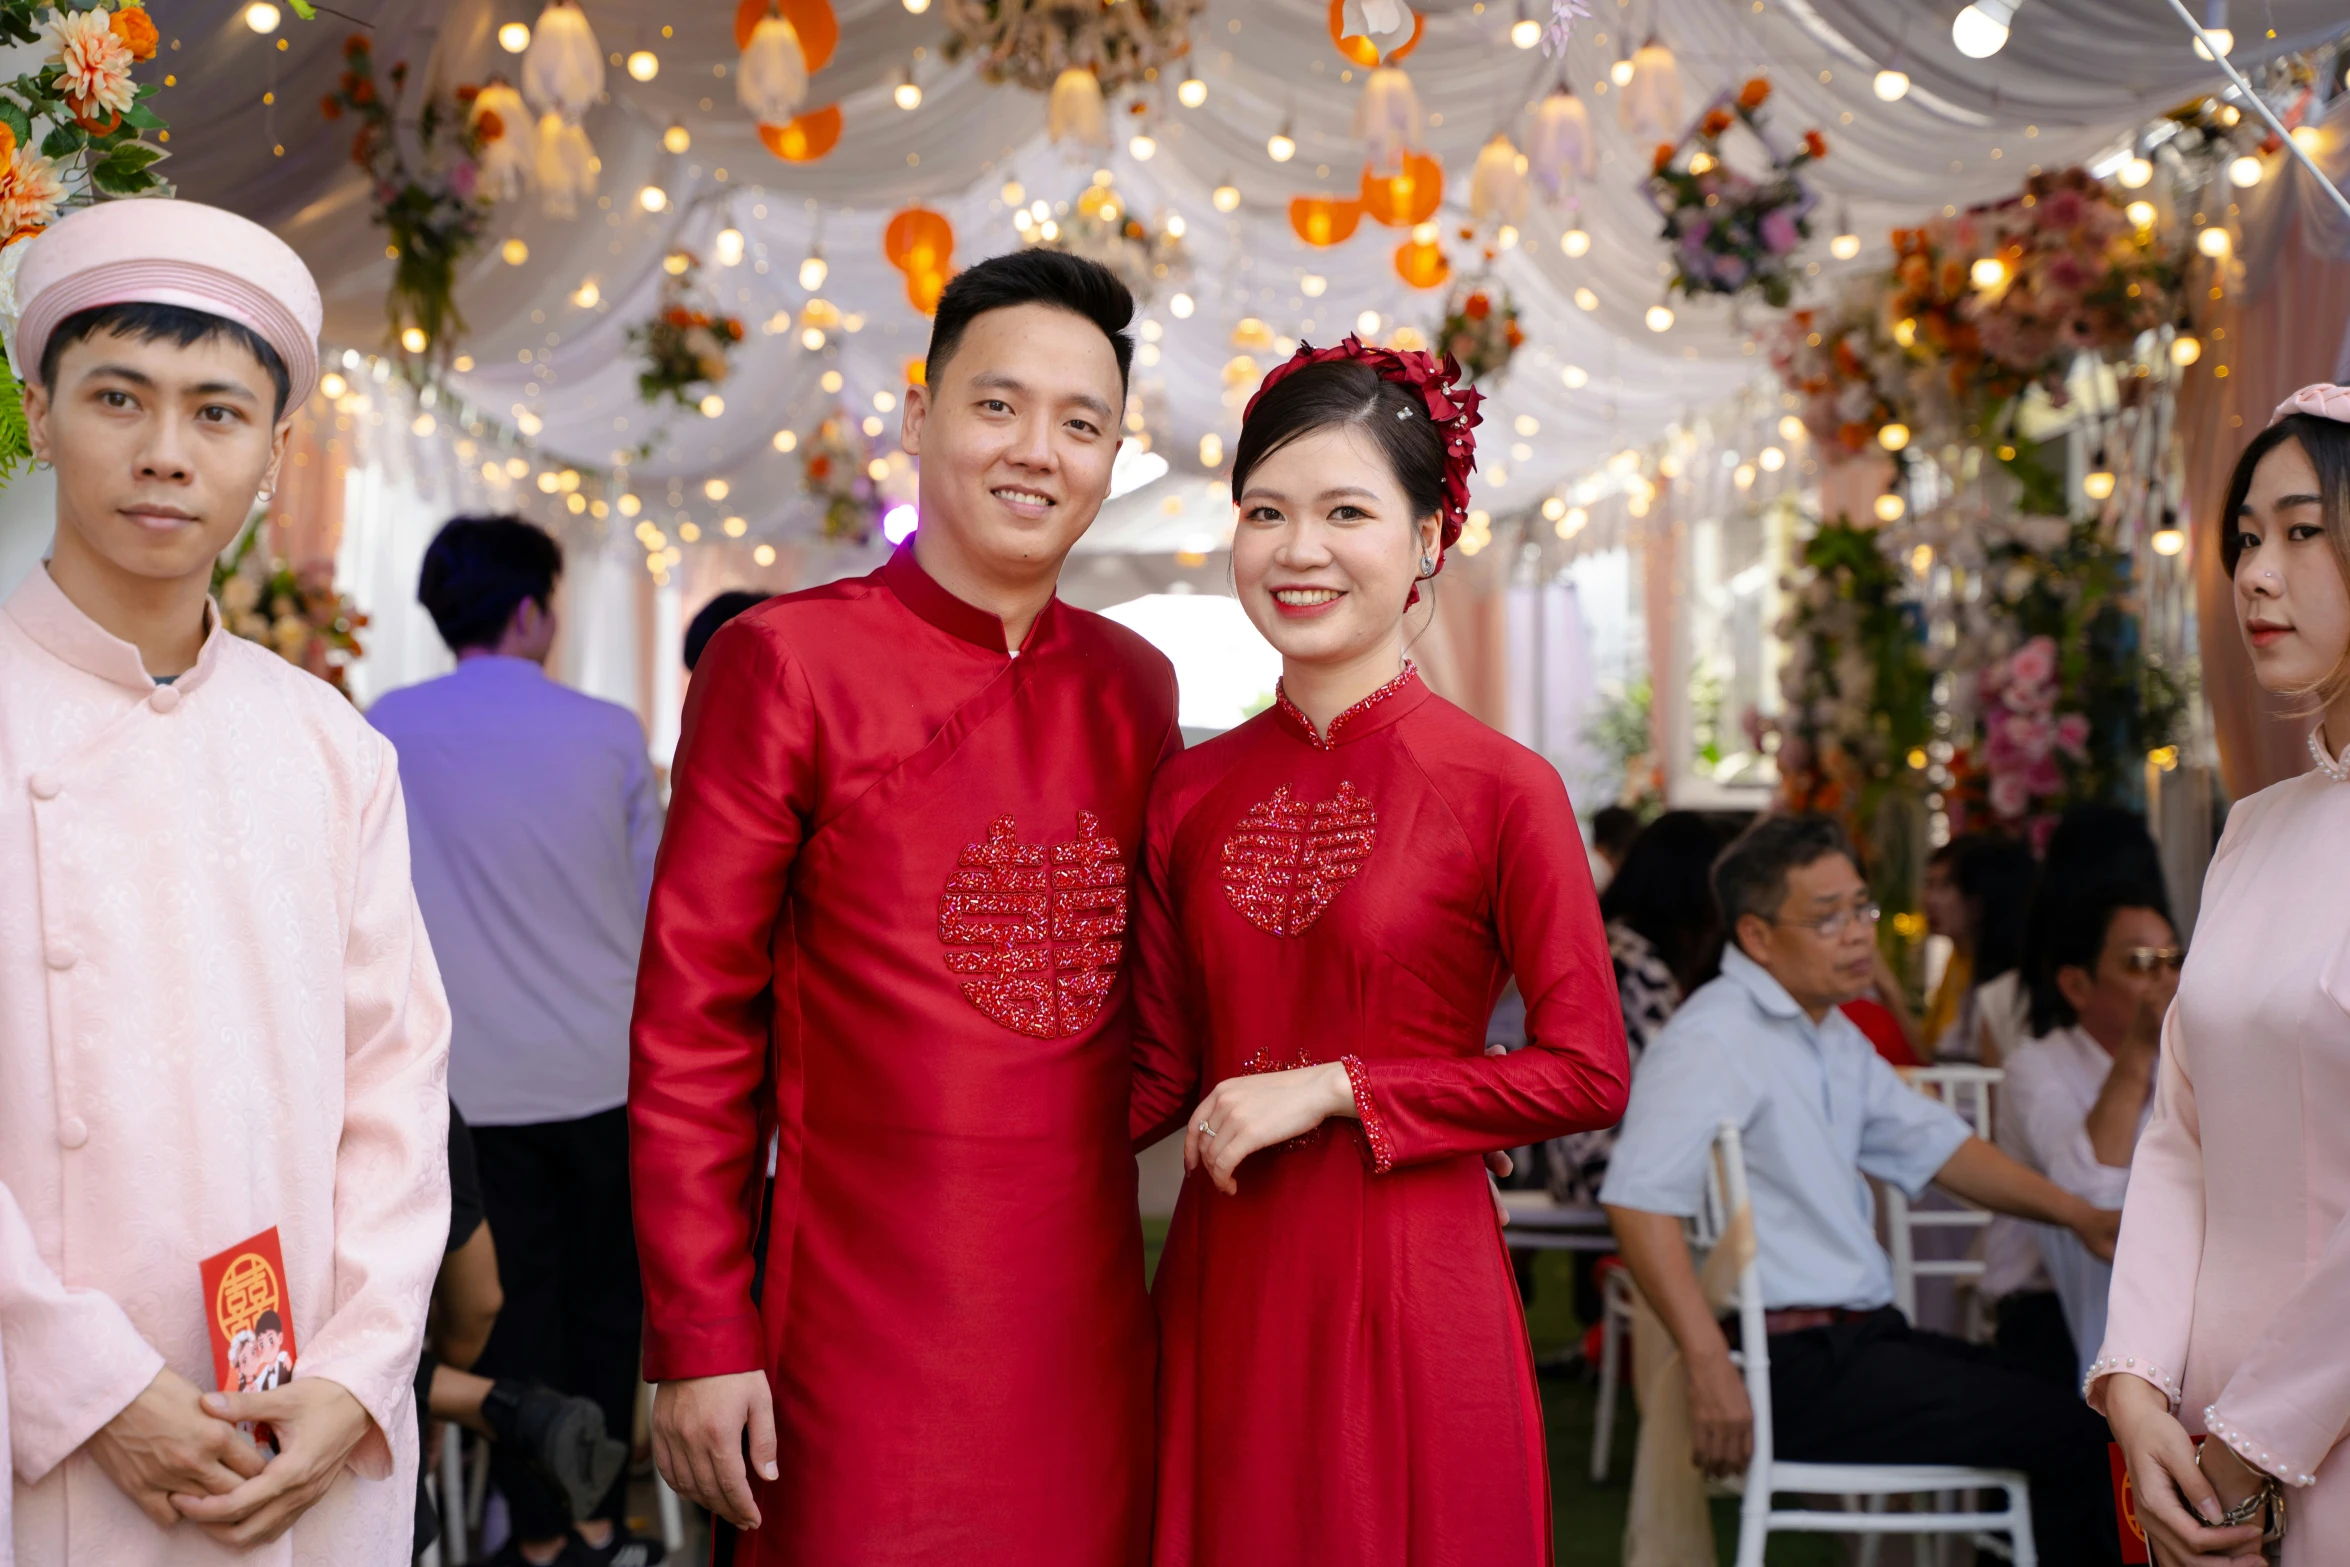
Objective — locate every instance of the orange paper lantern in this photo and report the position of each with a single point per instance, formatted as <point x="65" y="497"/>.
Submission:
<point x="1403" y="199"/>
<point x="1324" y="220"/>
<point x="808" y="137"/>
<point x="813" y="20"/>
<point x="1360" y="50"/>
<point x="1422" y="266"/>
<point x="923" y="289"/>
<point x="918" y="240"/>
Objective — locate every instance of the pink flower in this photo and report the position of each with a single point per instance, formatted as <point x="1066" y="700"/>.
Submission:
<point x="2066" y="272"/>
<point x="2009" y="798"/>
<point x="2072" y="734"/>
<point x="2033" y="664"/>
<point x="1730" y="271"/>
<point x="94" y="64"/>
<point x="1779" y="234"/>
<point x="2032" y="733"/>
<point x="463" y="178"/>
<point x="2063" y="210"/>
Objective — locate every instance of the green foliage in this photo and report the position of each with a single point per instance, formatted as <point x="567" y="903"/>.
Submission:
<point x="1619" y="731"/>
<point x="16" y="446"/>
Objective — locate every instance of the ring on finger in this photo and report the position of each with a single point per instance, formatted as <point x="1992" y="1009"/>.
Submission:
<point x="1206" y="1130"/>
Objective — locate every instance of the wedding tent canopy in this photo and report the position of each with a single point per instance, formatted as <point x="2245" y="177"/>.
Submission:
<point x="2076" y="80"/>
<point x="534" y="404"/>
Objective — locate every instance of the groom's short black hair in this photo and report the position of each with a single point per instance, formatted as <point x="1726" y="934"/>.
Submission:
<point x="1032" y="277"/>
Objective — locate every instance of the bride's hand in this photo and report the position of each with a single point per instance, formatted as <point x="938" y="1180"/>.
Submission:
<point x="2167" y="1484"/>
<point x="1243" y="1114"/>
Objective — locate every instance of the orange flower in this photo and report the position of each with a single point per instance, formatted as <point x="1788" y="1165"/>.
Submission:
<point x="1664" y="156"/>
<point x="7" y="145"/>
<point x="1815" y="144"/>
<point x="467" y="93"/>
<point x="819" y="467"/>
<point x="1512" y="333"/>
<point x="354" y="46"/>
<point x="330" y="107"/>
<point x="132" y="25"/>
<point x="1751" y="95"/>
<point x="677" y="317"/>
<point x="1716" y="121"/>
<point x="489" y="127"/>
<point x="93" y="66"/>
<point x="1476" y="307"/>
<point x="363" y="92"/>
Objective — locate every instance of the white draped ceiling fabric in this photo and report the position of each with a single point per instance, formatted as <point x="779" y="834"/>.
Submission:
<point x="2077" y="78"/>
<point x="2079" y="73"/>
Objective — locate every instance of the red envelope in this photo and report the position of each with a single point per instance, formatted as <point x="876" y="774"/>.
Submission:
<point x="250" y="1318"/>
<point x="2125" y="1508"/>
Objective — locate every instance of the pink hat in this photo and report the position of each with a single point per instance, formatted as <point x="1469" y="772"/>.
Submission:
<point x="159" y="252"/>
<point x="2324" y="401"/>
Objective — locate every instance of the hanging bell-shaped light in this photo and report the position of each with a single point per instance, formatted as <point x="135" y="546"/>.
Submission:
<point x="1560" y="148"/>
<point x="502" y="126"/>
<point x="1651" y="105"/>
<point x="565" y="166"/>
<point x="771" y="81"/>
<point x="1388" y="119"/>
<point x="563" y="69"/>
<point x="1075" y="112"/>
<point x="1497" y="185"/>
<point x="1386" y="23"/>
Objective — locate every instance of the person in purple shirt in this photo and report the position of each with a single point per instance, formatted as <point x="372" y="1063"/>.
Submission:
<point x="534" y="818"/>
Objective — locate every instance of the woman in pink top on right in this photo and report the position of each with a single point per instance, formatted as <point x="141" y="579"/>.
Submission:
<point x="2230" y="1309"/>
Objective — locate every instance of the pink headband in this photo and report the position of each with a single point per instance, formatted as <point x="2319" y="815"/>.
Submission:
<point x="158" y="252"/>
<point x="2322" y="401"/>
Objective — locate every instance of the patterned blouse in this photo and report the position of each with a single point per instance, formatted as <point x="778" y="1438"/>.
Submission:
<point x="1645" y="986"/>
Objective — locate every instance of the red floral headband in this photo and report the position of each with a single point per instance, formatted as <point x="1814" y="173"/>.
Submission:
<point x="1450" y="401"/>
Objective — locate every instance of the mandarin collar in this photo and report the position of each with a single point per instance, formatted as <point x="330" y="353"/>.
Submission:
<point x="920" y="592"/>
<point x="58" y="624"/>
<point x="1372" y="714"/>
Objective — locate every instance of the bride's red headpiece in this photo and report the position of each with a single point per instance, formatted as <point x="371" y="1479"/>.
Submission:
<point x="1450" y="401"/>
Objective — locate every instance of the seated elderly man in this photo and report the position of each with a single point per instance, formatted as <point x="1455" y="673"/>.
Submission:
<point x="1766" y="1047"/>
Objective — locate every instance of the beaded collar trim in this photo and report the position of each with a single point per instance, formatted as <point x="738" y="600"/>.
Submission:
<point x="1328" y="742"/>
<point x="2336" y="768"/>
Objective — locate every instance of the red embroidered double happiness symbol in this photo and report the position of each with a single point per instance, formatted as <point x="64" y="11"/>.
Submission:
<point x="1038" y="930"/>
<point x="1288" y="858"/>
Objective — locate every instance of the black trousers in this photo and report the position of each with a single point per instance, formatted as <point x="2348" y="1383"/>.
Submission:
<point x="1873" y="1390"/>
<point x="2033" y="1336"/>
<point x="556" y="1195"/>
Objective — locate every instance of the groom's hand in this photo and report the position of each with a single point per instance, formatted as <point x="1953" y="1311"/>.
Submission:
<point x="698" y="1428"/>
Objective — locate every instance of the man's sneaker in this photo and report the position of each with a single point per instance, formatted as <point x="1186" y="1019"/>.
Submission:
<point x="563" y="1436"/>
<point x="622" y="1550"/>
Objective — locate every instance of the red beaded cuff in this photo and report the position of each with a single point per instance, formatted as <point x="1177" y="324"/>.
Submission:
<point x="1382" y="1146"/>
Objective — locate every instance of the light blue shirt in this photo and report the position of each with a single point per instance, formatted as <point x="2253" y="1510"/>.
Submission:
<point x="532" y="825"/>
<point x="1818" y="1110"/>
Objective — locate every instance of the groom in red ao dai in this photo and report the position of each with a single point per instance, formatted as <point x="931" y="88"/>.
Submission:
<point x="887" y="931"/>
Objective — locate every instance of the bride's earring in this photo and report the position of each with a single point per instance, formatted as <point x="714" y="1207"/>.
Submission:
<point x="1427" y="567"/>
